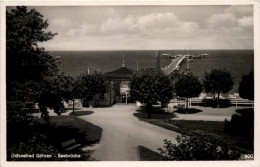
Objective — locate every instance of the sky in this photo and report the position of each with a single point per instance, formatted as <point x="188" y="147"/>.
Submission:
<point x="149" y="27"/>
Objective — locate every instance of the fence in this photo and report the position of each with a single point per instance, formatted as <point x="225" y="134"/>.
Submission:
<point x="205" y="101"/>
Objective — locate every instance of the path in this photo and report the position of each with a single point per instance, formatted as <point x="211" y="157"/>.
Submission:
<point x="122" y="133"/>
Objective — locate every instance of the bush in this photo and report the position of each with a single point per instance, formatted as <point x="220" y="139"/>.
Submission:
<point x="187" y="110"/>
<point x="30" y="148"/>
<point x="198" y="147"/>
<point x="38" y="138"/>
<point x="223" y="103"/>
<point x="28" y="137"/>
<point x="18" y="124"/>
<point x="241" y="123"/>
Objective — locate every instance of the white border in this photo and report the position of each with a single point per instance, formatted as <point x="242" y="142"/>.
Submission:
<point x="255" y="163"/>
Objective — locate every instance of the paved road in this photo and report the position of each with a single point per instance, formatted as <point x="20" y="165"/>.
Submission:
<point x="122" y="133"/>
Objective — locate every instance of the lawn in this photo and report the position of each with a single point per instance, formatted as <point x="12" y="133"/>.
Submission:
<point x="71" y="127"/>
<point x="46" y="137"/>
<point x="185" y="127"/>
<point x="149" y="155"/>
<point x="84" y="132"/>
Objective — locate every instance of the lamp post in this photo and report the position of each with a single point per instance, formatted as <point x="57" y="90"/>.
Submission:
<point x="236" y="101"/>
<point x="126" y="93"/>
<point x="73" y="106"/>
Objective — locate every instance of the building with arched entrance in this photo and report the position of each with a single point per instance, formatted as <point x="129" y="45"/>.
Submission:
<point x="120" y="80"/>
<point x="118" y="87"/>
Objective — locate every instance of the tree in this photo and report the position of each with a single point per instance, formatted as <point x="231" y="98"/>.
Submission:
<point x="29" y="68"/>
<point x="59" y="90"/>
<point x="218" y="81"/>
<point x="188" y="86"/>
<point x="87" y="86"/>
<point x="31" y="73"/>
<point x="25" y="60"/>
<point x="246" y="86"/>
<point x="151" y="87"/>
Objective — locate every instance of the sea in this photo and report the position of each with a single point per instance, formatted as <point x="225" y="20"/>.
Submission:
<point x="238" y="62"/>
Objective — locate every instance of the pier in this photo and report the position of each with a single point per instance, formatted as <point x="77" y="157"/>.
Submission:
<point x="175" y="65"/>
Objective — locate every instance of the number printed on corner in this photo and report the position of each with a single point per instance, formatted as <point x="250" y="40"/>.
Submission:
<point x="247" y="157"/>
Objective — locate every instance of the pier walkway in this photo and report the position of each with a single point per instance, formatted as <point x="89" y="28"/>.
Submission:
<point x="175" y="65"/>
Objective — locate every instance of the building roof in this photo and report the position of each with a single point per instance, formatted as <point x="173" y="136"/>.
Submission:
<point x="120" y="71"/>
<point x="121" y="74"/>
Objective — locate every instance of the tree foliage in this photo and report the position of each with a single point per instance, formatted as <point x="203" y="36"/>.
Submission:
<point x="188" y="86"/>
<point x="32" y="73"/>
<point x="25" y="60"/>
<point x="59" y="90"/>
<point x="151" y="87"/>
<point x="246" y="86"/>
<point x="32" y="76"/>
<point x="218" y="81"/>
<point x="241" y="123"/>
<point x="87" y="86"/>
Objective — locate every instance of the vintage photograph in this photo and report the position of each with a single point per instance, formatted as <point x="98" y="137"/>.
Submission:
<point x="130" y="83"/>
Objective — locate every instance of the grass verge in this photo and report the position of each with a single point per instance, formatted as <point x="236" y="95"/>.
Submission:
<point x="71" y="127"/>
<point x="91" y="133"/>
<point x="187" y="127"/>
<point x="149" y="155"/>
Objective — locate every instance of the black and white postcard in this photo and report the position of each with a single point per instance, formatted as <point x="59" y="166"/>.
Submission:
<point x="129" y="83"/>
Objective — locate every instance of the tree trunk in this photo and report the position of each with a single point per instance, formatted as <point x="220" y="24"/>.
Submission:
<point x="91" y="101"/>
<point x="149" y="107"/>
<point x="73" y="106"/>
<point x="218" y="99"/>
